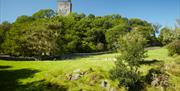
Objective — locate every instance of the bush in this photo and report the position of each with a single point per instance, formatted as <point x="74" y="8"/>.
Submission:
<point x="174" y="47"/>
<point x="158" y="77"/>
<point x="126" y="77"/>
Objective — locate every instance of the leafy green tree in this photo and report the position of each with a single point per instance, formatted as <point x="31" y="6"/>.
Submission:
<point x="96" y="35"/>
<point x="166" y="36"/>
<point x="174" y="47"/>
<point x="67" y="34"/>
<point x="96" y="39"/>
<point x="91" y="16"/>
<point x="153" y="41"/>
<point x="177" y="33"/>
<point x="177" y="29"/>
<point x="132" y="49"/>
<point x="114" y="16"/>
<point x="4" y="27"/>
<point x="24" y="18"/>
<point x="113" y="34"/>
<point x="44" y="13"/>
<point x="98" y="22"/>
<point x="137" y="22"/>
<point x="1" y="36"/>
<point x="41" y="41"/>
<point x="143" y="27"/>
<point x="80" y="16"/>
<point x="12" y="44"/>
<point x="77" y="16"/>
<point x="33" y="39"/>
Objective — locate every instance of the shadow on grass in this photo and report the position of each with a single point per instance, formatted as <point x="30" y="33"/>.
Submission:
<point x="81" y="55"/>
<point x="5" y="67"/>
<point x="150" y="62"/>
<point x="9" y="78"/>
<point x="54" y="58"/>
<point x="42" y="85"/>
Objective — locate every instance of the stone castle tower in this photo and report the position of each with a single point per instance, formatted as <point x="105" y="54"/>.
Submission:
<point x="64" y="7"/>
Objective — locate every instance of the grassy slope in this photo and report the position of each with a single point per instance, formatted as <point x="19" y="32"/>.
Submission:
<point x="67" y="65"/>
<point x="36" y="70"/>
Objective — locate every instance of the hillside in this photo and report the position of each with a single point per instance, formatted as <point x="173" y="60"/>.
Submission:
<point x="30" y="74"/>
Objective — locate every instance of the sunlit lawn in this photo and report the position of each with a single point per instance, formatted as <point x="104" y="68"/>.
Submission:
<point x="22" y="72"/>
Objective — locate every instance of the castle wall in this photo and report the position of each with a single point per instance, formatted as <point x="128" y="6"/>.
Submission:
<point x="64" y="8"/>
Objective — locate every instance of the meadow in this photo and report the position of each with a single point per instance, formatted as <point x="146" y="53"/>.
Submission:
<point x="27" y="75"/>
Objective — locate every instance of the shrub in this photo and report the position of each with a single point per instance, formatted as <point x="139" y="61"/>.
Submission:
<point x="174" y="47"/>
<point x="158" y="77"/>
<point x="126" y="77"/>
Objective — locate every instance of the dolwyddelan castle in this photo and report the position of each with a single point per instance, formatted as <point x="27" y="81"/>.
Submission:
<point x="64" y="7"/>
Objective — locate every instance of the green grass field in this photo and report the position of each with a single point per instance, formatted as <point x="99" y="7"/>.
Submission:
<point x="16" y="74"/>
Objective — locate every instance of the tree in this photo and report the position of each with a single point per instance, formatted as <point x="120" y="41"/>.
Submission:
<point x="177" y="33"/>
<point x="154" y="40"/>
<point x="145" y="28"/>
<point x="132" y="49"/>
<point x="77" y="16"/>
<point x="38" y="38"/>
<point x="166" y="36"/>
<point x="156" y="28"/>
<point x="91" y="16"/>
<point x="114" y="16"/>
<point x="41" y="41"/>
<point x="44" y="13"/>
<point x="174" y="47"/>
<point x="177" y="29"/>
<point x="137" y="22"/>
<point x="13" y="41"/>
<point x="113" y="34"/>
<point x="23" y="19"/>
<point x="149" y="31"/>
<point x="96" y="39"/>
<point x="76" y="33"/>
<point x="4" y="27"/>
<point x="1" y="36"/>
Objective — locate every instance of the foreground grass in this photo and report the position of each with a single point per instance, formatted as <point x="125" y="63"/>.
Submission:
<point x="16" y="74"/>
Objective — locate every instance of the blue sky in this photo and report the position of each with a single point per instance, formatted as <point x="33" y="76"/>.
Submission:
<point x="163" y="12"/>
